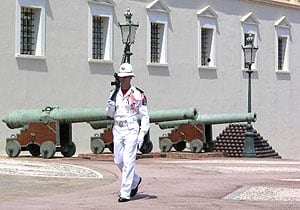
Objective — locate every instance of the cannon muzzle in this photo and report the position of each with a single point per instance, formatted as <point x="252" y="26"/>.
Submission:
<point x="19" y="118"/>
<point x="212" y="119"/>
<point x="173" y="114"/>
<point x="101" y="124"/>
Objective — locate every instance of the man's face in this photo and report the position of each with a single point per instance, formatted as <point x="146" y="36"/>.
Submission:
<point x="125" y="81"/>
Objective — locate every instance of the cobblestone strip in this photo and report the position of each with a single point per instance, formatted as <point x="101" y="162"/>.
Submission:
<point x="46" y="169"/>
<point x="262" y="193"/>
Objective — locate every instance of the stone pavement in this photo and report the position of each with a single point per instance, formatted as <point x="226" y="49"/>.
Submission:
<point x="168" y="183"/>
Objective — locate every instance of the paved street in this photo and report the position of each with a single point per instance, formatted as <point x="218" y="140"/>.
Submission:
<point x="168" y="183"/>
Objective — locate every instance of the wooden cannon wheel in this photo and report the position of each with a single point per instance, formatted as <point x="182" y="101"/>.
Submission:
<point x="97" y="145"/>
<point x="146" y="147"/>
<point x="34" y="150"/>
<point x="165" y="145"/>
<point x="196" y="145"/>
<point x="68" y="150"/>
<point x="47" y="149"/>
<point x="13" y="148"/>
<point x="179" y="146"/>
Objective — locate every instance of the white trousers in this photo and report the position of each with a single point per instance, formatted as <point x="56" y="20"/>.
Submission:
<point x="125" y="149"/>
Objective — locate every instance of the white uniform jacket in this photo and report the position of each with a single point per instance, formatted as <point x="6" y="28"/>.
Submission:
<point x="129" y="108"/>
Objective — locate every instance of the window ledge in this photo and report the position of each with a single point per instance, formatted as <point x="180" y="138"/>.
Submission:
<point x="108" y="3"/>
<point x="34" y="57"/>
<point x="282" y="71"/>
<point x="245" y="70"/>
<point x="91" y="60"/>
<point x="207" y="68"/>
<point x="157" y="64"/>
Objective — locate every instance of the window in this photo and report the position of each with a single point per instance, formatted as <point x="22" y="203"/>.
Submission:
<point x="30" y="33"/>
<point x="249" y="28"/>
<point x="282" y="29"/>
<point x="100" y="31"/>
<point x="29" y="18"/>
<point x="282" y="42"/>
<point x="99" y="34"/>
<point x="206" y="46"/>
<point x="207" y="37"/>
<point x="157" y="33"/>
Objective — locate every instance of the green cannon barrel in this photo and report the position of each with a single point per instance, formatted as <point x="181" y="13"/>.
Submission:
<point x="212" y="119"/>
<point x="101" y="124"/>
<point x="173" y="114"/>
<point x="157" y="116"/>
<point x="19" y="118"/>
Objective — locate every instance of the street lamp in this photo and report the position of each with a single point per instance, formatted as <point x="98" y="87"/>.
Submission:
<point x="249" y="58"/>
<point x="128" y="31"/>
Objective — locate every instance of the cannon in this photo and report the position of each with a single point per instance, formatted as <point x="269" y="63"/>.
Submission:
<point x="99" y="142"/>
<point x="197" y="133"/>
<point x="47" y="131"/>
<point x="105" y="140"/>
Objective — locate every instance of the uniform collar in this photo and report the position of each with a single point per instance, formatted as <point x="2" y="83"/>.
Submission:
<point x="130" y="90"/>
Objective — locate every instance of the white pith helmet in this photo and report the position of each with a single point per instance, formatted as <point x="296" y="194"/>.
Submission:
<point x="126" y="70"/>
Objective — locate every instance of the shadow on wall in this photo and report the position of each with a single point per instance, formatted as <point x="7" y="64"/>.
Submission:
<point x="254" y="75"/>
<point x="101" y="68"/>
<point x="29" y="64"/>
<point x="158" y="70"/>
<point x="283" y="76"/>
<point x="208" y="73"/>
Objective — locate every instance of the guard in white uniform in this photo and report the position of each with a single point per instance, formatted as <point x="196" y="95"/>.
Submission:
<point x="127" y="105"/>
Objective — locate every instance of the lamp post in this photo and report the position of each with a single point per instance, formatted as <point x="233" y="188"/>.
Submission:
<point x="249" y="58"/>
<point x="128" y="31"/>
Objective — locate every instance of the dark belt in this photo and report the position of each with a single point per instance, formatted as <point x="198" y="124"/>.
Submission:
<point x="121" y="123"/>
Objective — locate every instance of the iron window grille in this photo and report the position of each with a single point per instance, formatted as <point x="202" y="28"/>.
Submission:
<point x="206" y="38"/>
<point x="27" y="41"/>
<point x="155" y="42"/>
<point x="281" y="52"/>
<point x="98" y="37"/>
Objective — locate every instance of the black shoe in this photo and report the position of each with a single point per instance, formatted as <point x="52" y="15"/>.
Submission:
<point x="123" y="199"/>
<point x="135" y="190"/>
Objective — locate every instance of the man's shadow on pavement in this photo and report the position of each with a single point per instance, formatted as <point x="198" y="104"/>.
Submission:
<point x="140" y="196"/>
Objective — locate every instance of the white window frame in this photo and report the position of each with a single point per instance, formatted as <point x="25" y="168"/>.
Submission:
<point x="41" y="33"/>
<point x="105" y="10"/>
<point x="162" y="47"/>
<point x="282" y="29"/>
<point x="158" y="12"/>
<point x="249" y="26"/>
<point x="207" y="18"/>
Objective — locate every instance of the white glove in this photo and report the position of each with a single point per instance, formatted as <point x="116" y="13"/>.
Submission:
<point x="111" y="108"/>
<point x="111" y="104"/>
<point x="140" y="139"/>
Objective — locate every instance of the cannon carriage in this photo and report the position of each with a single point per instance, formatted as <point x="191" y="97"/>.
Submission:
<point x="197" y="134"/>
<point x="47" y="131"/>
<point x="102" y="140"/>
<point x="105" y="139"/>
